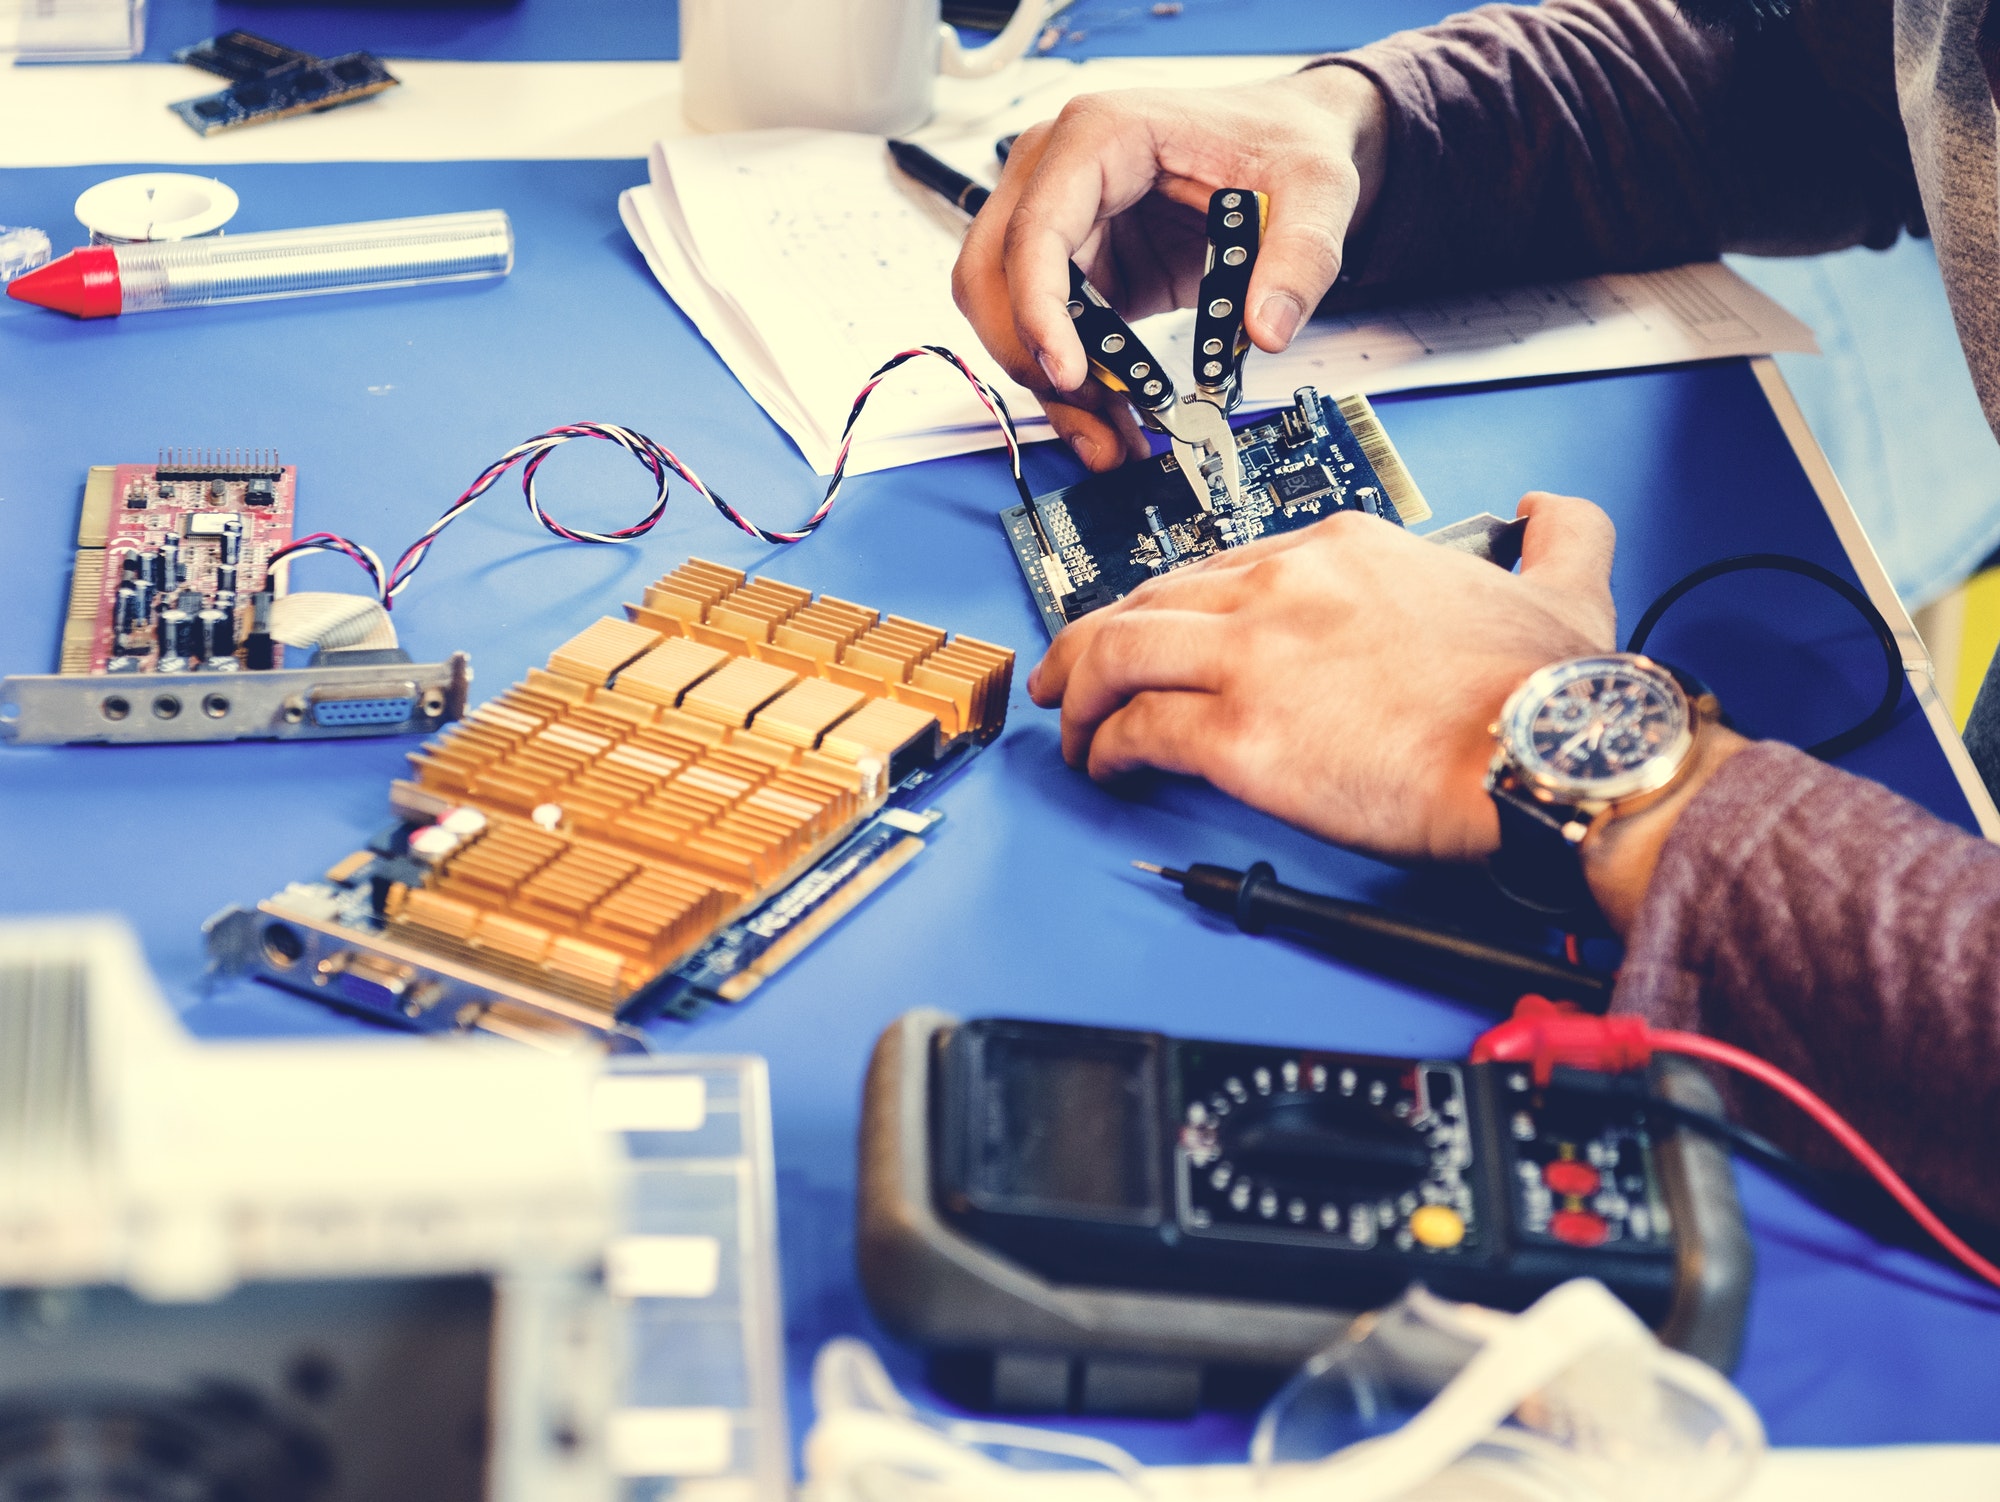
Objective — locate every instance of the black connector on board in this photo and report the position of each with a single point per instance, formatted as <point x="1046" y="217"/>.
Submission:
<point x="237" y="55"/>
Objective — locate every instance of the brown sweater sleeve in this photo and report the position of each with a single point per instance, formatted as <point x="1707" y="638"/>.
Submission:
<point x="1849" y="937"/>
<point x="1531" y="142"/>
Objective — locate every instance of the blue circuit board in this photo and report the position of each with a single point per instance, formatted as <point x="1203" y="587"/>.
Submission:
<point x="316" y="84"/>
<point x="1110" y="533"/>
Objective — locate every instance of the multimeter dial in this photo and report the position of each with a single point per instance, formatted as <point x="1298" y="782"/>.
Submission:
<point x="1343" y="1152"/>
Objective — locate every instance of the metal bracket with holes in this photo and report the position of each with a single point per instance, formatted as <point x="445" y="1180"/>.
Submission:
<point x="374" y="974"/>
<point x="284" y="704"/>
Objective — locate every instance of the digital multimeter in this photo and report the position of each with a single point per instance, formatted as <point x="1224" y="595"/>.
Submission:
<point x="1092" y="1216"/>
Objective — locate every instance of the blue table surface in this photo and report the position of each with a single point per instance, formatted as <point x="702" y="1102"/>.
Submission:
<point x="526" y="31"/>
<point x="390" y="403"/>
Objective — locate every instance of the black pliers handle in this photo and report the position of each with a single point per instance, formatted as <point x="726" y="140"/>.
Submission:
<point x="1236" y="219"/>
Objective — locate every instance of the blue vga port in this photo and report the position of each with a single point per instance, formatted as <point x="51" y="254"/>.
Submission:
<point x="376" y="711"/>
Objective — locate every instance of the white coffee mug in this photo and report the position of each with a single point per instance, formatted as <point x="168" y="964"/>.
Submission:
<point x="861" y="65"/>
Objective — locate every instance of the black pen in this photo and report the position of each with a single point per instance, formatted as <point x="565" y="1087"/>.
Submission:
<point x="944" y="180"/>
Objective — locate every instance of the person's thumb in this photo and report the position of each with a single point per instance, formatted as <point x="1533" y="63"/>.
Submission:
<point x="1567" y="548"/>
<point x="1300" y="254"/>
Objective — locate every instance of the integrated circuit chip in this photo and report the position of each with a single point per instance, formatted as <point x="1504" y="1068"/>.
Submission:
<point x="1290" y="487"/>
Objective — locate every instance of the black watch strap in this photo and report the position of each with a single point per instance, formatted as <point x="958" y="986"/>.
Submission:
<point x="1535" y="865"/>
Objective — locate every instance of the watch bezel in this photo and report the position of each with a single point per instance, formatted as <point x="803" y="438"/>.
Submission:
<point x="1548" y="785"/>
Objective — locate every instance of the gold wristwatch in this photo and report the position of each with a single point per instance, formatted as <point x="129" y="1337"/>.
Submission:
<point x="1580" y="743"/>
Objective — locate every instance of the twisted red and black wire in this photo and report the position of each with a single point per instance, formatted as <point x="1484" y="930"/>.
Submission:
<point x="660" y="462"/>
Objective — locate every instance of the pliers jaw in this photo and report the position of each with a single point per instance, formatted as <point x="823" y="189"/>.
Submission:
<point x="1203" y="443"/>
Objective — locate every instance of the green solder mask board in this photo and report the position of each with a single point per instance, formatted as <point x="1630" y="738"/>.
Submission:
<point x="1110" y="533"/>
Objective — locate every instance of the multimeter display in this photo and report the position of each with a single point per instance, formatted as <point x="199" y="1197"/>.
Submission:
<point x="1134" y="1160"/>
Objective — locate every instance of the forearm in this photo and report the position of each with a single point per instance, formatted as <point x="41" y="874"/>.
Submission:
<point x="1589" y="135"/>
<point x="1844" y="934"/>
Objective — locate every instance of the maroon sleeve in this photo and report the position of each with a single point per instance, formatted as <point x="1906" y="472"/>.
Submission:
<point x="1532" y="142"/>
<point x="1849" y="937"/>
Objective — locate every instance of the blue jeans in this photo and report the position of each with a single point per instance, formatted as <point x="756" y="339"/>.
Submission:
<point x="1892" y="403"/>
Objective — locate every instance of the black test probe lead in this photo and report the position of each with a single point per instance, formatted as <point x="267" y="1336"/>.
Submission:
<point x="1407" y="948"/>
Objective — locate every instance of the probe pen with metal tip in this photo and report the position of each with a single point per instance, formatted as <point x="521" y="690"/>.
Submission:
<point x="1407" y="948"/>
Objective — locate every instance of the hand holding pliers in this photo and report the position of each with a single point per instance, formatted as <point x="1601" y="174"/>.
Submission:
<point x="1198" y="424"/>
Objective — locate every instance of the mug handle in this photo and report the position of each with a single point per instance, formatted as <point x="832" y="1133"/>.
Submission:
<point x="958" y="61"/>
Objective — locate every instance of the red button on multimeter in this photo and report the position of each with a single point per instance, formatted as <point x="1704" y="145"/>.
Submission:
<point x="1578" y="1227"/>
<point x="1567" y="1176"/>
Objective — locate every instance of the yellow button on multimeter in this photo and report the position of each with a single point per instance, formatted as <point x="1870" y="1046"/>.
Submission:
<point x="1437" y="1226"/>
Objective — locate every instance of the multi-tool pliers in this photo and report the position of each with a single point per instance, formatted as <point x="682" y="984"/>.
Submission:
<point x="1198" y="424"/>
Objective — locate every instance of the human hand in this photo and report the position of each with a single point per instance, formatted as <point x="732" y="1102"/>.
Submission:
<point x="1343" y="677"/>
<point x="1120" y="183"/>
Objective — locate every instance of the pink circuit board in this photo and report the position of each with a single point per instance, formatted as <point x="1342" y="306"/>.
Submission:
<point x="171" y="519"/>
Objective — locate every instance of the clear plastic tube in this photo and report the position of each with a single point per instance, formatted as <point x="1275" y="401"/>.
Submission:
<point x="313" y="262"/>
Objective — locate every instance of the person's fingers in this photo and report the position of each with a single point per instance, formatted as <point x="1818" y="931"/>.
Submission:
<point x="1311" y="204"/>
<point x="1097" y="163"/>
<point x="1169" y="730"/>
<point x="979" y="288"/>
<point x="1050" y="677"/>
<point x="1098" y="425"/>
<point x="1568" y="542"/>
<point x="1134" y="653"/>
<point x="1567" y="549"/>
<point x="1219" y="584"/>
<point x="1186" y="191"/>
<point x="1050" y="680"/>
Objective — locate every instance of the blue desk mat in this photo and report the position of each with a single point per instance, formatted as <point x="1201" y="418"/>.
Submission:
<point x="545" y="31"/>
<point x="390" y="404"/>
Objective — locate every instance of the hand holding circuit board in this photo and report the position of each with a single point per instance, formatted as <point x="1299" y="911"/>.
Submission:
<point x="1342" y="677"/>
<point x="1090" y="544"/>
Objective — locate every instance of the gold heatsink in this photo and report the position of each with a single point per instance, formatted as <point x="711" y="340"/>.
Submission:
<point x="668" y="772"/>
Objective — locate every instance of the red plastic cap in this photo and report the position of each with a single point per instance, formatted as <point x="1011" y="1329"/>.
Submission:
<point x="83" y="283"/>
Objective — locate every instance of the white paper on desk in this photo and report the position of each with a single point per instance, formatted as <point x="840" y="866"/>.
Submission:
<point x="807" y="260"/>
<point x="1702" y="311"/>
<point x="805" y="265"/>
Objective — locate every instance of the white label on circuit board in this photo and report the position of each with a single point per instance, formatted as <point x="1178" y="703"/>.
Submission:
<point x="669" y="1441"/>
<point x="1056" y="574"/>
<point x="640" y="1103"/>
<point x="663" y="1267"/>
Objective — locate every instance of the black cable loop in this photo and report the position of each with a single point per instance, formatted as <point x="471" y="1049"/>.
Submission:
<point x="1884" y="712"/>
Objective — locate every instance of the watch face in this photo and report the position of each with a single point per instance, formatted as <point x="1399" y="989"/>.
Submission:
<point x="1599" y="727"/>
